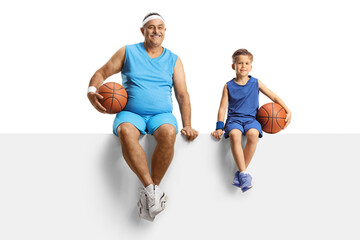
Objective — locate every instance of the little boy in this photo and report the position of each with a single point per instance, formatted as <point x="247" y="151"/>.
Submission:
<point x="242" y="95"/>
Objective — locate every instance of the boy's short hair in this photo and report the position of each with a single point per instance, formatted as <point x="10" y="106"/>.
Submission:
<point x="242" y="51"/>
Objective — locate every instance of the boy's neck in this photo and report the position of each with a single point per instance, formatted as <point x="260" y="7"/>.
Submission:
<point x="242" y="80"/>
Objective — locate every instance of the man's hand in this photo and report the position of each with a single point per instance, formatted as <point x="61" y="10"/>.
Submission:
<point x="217" y="134"/>
<point x="189" y="133"/>
<point x="94" y="99"/>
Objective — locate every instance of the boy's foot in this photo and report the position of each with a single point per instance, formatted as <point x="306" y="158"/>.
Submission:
<point x="143" y="207"/>
<point x="157" y="201"/>
<point x="246" y="181"/>
<point x="236" y="181"/>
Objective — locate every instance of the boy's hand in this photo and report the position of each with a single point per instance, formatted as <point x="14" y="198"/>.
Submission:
<point x="217" y="134"/>
<point x="288" y="119"/>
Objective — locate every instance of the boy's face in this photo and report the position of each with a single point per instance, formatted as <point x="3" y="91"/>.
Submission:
<point x="242" y="65"/>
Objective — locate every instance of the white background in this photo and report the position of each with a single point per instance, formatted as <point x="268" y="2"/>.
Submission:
<point x="305" y="51"/>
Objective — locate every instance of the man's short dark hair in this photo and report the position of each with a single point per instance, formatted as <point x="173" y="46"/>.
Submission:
<point x="150" y="14"/>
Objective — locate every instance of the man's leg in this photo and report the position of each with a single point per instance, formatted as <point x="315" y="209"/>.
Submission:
<point x="133" y="153"/>
<point x="163" y="154"/>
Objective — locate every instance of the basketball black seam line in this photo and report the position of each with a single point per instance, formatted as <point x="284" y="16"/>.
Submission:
<point x="272" y="111"/>
<point x="272" y="117"/>
<point x="103" y="100"/>
<point x="114" y="89"/>
<point x="119" y="103"/>
<point x="279" y="118"/>
<point x="107" y="86"/>
<point x="117" y="94"/>
<point x="267" y="117"/>
<point x="113" y="98"/>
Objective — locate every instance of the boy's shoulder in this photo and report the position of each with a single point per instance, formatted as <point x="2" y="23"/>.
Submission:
<point x="229" y="82"/>
<point x="253" y="79"/>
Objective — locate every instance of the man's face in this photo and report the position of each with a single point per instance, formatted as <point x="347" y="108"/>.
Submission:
<point x="154" y="32"/>
<point x="242" y="65"/>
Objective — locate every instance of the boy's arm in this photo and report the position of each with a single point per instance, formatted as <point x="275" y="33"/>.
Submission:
<point x="221" y="113"/>
<point x="114" y="65"/>
<point x="223" y="104"/>
<point x="275" y="98"/>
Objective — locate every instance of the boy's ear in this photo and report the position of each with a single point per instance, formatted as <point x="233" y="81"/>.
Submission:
<point x="233" y="66"/>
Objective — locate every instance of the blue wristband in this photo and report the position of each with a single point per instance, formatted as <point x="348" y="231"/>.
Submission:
<point x="219" y="125"/>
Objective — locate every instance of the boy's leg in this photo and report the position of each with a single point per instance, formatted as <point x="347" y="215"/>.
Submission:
<point x="236" y="149"/>
<point x="252" y="136"/>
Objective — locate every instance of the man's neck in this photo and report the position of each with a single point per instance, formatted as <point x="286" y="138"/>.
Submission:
<point x="153" y="51"/>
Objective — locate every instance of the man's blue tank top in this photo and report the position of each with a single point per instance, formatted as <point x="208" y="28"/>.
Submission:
<point x="148" y="81"/>
<point x="243" y="99"/>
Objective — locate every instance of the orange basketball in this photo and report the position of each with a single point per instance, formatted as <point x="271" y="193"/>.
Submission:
<point x="272" y="117"/>
<point x="115" y="97"/>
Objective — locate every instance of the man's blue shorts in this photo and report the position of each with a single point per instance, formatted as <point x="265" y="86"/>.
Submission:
<point x="243" y="124"/>
<point x="145" y="124"/>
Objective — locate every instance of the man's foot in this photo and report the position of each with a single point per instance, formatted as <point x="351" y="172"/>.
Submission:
<point x="156" y="201"/>
<point x="246" y="181"/>
<point x="143" y="207"/>
<point x="236" y="181"/>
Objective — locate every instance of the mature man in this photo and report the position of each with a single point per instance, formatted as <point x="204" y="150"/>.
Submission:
<point x="149" y="72"/>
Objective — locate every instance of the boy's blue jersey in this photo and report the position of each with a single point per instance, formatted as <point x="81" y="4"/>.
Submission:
<point x="243" y="99"/>
<point x="148" y="81"/>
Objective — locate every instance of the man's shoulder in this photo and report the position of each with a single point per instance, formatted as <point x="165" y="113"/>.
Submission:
<point x="169" y="52"/>
<point x="134" y="45"/>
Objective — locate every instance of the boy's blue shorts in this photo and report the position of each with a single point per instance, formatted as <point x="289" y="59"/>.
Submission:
<point x="243" y="124"/>
<point x="145" y="124"/>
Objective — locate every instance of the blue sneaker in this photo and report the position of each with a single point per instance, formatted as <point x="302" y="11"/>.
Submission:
<point x="236" y="181"/>
<point x="246" y="181"/>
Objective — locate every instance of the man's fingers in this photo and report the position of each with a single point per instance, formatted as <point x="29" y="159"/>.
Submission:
<point x="99" y="96"/>
<point x="100" y="108"/>
<point x="189" y="134"/>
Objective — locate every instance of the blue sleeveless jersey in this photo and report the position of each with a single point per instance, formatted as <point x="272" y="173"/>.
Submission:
<point x="148" y="81"/>
<point x="243" y="99"/>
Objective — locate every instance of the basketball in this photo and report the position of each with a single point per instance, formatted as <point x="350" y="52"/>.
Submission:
<point x="272" y="117"/>
<point x="114" y="97"/>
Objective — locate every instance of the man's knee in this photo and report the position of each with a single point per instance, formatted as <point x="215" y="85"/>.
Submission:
<point x="165" y="134"/>
<point x="127" y="130"/>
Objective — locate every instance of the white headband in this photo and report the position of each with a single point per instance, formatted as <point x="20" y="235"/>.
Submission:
<point x="149" y="18"/>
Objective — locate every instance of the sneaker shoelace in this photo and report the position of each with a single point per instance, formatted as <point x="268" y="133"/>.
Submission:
<point x="150" y="198"/>
<point x="243" y="179"/>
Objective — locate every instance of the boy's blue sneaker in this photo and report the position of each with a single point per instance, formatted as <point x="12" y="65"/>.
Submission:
<point x="246" y="181"/>
<point x="236" y="181"/>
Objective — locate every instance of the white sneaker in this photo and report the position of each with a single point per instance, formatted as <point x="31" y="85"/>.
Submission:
<point x="143" y="206"/>
<point x="156" y="201"/>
